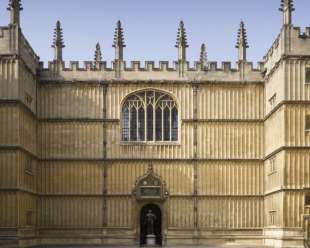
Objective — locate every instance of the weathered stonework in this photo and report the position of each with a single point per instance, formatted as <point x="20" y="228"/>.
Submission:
<point x="238" y="174"/>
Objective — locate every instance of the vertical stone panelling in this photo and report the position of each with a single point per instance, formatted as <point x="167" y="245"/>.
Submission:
<point x="9" y="124"/>
<point x="233" y="213"/>
<point x="230" y="140"/>
<point x="61" y="177"/>
<point x="8" y="168"/>
<point x="297" y="169"/>
<point x="296" y="87"/>
<point x="8" y="209"/>
<point x="8" y="79"/>
<point x="225" y="101"/>
<point x="177" y="175"/>
<point x="70" y="101"/>
<point x="180" y="212"/>
<point x="181" y="92"/>
<point x="119" y="212"/>
<point x="294" y="208"/>
<point x="274" y="87"/>
<point x="230" y="178"/>
<point x="274" y="127"/>
<point x="274" y="176"/>
<point x="17" y="127"/>
<point x="122" y="175"/>
<point x="27" y="172"/>
<point x="28" y="131"/>
<point x="70" y="212"/>
<point x="70" y="140"/>
<point x="274" y="210"/>
<point x="132" y="150"/>
<point x="27" y="203"/>
<point x="27" y="87"/>
<point x="295" y="123"/>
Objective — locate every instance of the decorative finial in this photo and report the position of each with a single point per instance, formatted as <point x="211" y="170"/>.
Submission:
<point x="58" y="42"/>
<point x="15" y="6"/>
<point x="150" y="168"/>
<point x="203" y="56"/>
<point x="181" y="42"/>
<point x="242" y="43"/>
<point x="119" y="42"/>
<point x="287" y="7"/>
<point x="98" y="54"/>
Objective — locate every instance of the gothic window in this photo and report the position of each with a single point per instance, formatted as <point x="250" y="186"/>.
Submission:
<point x="307" y="200"/>
<point x="149" y="116"/>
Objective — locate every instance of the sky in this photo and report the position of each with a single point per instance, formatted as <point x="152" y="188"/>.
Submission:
<point x="150" y="26"/>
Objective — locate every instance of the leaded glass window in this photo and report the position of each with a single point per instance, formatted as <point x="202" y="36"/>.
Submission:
<point x="149" y="116"/>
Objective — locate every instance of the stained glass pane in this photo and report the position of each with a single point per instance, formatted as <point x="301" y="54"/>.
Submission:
<point x="158" y="124"/>
<point x="307" y="75"/>
<point x="174" y="131"/>
<point x="133" y="124"/>
<point x="125" y="125"/>
<point x="141" y="124"/>
<point x="166" y="124"/>
<point x="150" y="123"/>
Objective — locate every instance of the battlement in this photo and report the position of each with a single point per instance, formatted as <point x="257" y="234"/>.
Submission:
<point x="13" y="42"/>
<point x="148" y="66"/>
<point x="292" y="41"/>
<point x="149" y="70"/>
<point x="303" y="34"/>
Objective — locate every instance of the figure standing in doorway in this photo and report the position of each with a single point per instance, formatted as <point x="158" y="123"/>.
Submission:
<point x="149" y="221"/>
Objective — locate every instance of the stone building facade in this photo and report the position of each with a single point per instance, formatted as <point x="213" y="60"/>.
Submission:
<point x="221" y="155"/>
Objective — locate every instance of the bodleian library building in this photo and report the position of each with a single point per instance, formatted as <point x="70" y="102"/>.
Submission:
<point x="155" y="154"/>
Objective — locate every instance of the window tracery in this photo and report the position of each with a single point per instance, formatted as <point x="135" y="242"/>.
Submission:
<point x="149" y="115"/>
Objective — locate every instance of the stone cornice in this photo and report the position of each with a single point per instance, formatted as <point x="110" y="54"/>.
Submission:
<point x="280" y="104"/>
<point x="283" y="148"/>
<point x="19" y="148"/>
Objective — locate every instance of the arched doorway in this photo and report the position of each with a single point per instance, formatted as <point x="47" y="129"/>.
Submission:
<point x="157" y="224"/>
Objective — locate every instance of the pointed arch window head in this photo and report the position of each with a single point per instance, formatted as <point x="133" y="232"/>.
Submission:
<point x="149" y="115"/>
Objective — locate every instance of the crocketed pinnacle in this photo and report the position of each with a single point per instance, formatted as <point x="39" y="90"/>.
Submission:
<point x="98" y="54"/>
<point x="119" y="36"/>
<point x="181" y="36"/>
<point x="203" y="56"/>
<point x="287" y="5"/>
<point x="58" y="36"/>
<point x="15" y="4"/>
<point x="58" y="43"/>
<point x="242" y="37"/>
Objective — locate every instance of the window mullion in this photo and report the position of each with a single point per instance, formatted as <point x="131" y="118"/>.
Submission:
<point x="145" y="116"/>
<point x="154" y="117"/>
<point x="170" y="124"/>
<point x="162" y="124"/>
<point x="129" y="123"/>
<point x="137" y="125"/>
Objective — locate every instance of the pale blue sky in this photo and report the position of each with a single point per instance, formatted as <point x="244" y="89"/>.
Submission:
<point x="151" y="25"/>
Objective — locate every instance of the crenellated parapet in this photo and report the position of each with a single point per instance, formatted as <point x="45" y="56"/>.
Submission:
<point x="149" y="70"/>
<point x="292" y="41"/>
<point x="14" y="43"/>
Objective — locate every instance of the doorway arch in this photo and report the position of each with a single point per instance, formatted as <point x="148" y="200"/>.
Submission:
<point x="157" y="224"/>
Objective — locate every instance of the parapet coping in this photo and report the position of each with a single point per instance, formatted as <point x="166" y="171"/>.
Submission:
<point x="149" y="66"/>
